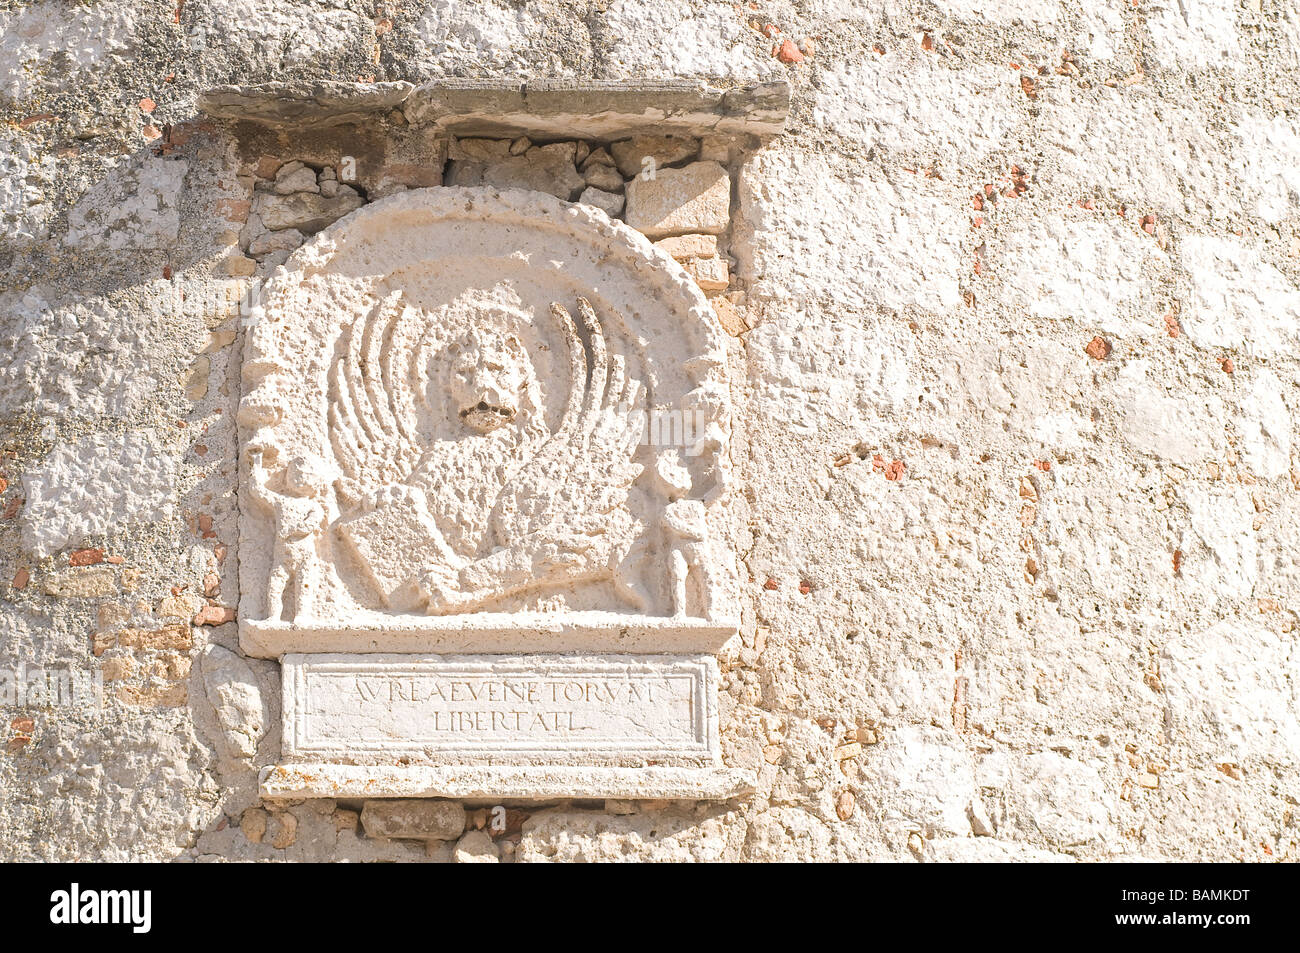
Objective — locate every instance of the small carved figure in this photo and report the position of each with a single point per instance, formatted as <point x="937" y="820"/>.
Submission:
<point x="300" y="519"/>
<point x="686" y="533"/>
<point x="684" y="521"/>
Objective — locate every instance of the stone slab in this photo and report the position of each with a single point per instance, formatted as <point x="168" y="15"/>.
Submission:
<point x="513" y="107"/>
<point x="496" y="783"/>
<point x="429" y="491"/>
<point x="600" y="110"/>
<point x="487" y="709"/>
<point x="329" y="102"/>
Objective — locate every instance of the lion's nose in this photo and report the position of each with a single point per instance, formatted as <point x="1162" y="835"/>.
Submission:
<point x="495" y="396"/>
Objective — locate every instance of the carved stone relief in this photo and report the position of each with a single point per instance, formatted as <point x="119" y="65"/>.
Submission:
<point x="483" y="410"/>
<point x="484" y="504"/>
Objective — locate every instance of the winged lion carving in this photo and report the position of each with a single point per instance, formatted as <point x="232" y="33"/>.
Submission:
<point x="512" y="506"/>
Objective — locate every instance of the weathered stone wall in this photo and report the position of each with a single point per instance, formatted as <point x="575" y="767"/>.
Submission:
<point x="1015" y="310"/>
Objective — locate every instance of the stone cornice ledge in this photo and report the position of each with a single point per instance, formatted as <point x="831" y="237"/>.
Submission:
<point x="498" y="783"/>
<point x="292" y="104"/>
<point x="512" y="107"/>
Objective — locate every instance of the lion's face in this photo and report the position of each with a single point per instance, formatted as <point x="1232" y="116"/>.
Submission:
<point x="488" y="374"/>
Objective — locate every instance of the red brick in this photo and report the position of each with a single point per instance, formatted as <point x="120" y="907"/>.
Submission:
<point x="789" y="53"/>
<point x="233" y="210"/>
<point x="1098" y="348"/>
<point x="214" y="615"/>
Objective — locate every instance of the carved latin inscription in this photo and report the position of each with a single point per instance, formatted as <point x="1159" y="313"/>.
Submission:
<point x="480" y="709"/>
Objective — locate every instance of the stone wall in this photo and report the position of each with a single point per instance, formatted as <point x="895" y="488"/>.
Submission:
<point x="1014" y="310"/>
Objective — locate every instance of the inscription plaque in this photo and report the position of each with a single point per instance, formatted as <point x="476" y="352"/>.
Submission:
<point x="479" y="709"/>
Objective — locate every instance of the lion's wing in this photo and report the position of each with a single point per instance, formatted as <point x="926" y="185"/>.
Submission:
<point x="372" y="441"/>
<point x="584" y="471"/>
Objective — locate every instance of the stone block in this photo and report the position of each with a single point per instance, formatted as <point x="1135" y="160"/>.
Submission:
<point x="711" y="274"/>
<point x="306" y="211"/>
<point x="686" y="247"/>
<point x="414" y="819"/>
<point x="475" y="709"/>
<point x="608" y="202"/>
<point x="696" y="198"/>
<point x="630" y="155"/>
<point x="548" y="169"/>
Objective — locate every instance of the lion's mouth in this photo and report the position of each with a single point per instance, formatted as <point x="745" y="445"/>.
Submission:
<point x="484" y="416"/>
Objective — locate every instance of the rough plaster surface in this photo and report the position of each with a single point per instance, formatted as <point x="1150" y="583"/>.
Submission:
<point x="1012" y="595"/>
